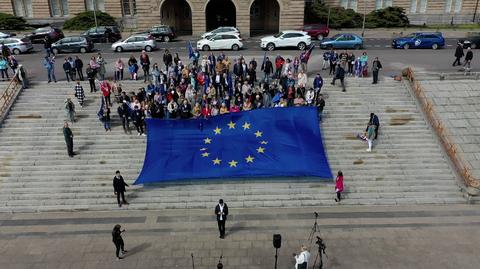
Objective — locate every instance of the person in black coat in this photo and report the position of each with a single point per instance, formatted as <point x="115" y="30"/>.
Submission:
<point x="79" y="67"/>
<point x="221" y="211"/>
<point x="375" y="121"/>
<point x="339" y="74"/>
<point x="458" y="54"/>
<point x="267" y="68"/>
<point x="468" y="59"/>
<point x="376" y="66"/>
<point x="138" y="118"/>
<point x="119" y="188"/>
<point x="68" y="70"/>
<point x="67" y="133"/>
<point x="124" y="113"/>
<point x="91" y="74"/>
<point x="118" y="240"/>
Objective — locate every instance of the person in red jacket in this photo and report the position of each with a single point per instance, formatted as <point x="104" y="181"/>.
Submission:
<point x="106" y="89"/>
<point x="339" y="186"/>
<point x="207" y="111"/>
<point x="279" y="61"/>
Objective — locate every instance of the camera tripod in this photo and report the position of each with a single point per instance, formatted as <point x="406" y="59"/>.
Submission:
<point x="320" y="253"/>
<point x="314" y="230"/>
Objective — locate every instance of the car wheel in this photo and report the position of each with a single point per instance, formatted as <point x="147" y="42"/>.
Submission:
<point x="434" y="46"/>
<point x="206" y="48"/>
<point x="235" y="47"/>
<point x="166" y="39"/>
<point x="16" y="51"/>
<point x="148" y="48"/>
<point x="301" y="46"/>
<point x="118" y="49"/>
<point x="357" y="47"/>
<point x="320" y="37"/>
<point x="406" y="46"/>
<point x="270" y="46"/>
<point x="55" y="51"/>
<point x="473" y="46"/>
<point x="83" y="50"/>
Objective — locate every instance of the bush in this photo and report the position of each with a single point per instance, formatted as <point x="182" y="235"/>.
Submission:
<point x="10" y="22"/>
<point x="387" y="17"/>
<point x="86" y="20"/>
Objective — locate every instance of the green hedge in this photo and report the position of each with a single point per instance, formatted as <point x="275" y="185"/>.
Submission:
<point x="86" y="20"/>
<point x="10" y="22"/>
<point x="348" y="18"/>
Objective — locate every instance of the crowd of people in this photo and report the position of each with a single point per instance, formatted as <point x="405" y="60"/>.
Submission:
<point x="9" y="62"/>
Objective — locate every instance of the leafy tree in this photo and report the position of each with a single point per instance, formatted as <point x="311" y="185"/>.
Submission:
<point x="10" y="22"/>
<point x="86" y="20"/>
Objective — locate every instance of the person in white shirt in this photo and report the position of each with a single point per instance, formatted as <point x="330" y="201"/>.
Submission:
<point x="301" y="260"/>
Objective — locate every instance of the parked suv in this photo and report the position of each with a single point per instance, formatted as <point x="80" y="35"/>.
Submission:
<point x="298" y="39"/>
<point x="103" y="34"/>
<point x="38" y="35"/>
<point x="161" y="33"/>
<point x="73" y="44"/>
<point x="316" y="31"/>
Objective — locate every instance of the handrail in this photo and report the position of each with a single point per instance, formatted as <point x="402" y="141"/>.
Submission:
<point x="8" y="97"/>
<point x="444" y="135"/>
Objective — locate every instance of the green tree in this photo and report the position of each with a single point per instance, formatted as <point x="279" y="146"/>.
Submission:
<point x="86" y="20"/>
<point x="10" y="22"/>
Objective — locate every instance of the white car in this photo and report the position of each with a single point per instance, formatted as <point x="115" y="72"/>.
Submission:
<point x="298" y="39"/>
<point x="220" y="42"/>
<point x="6" y="34"/>
<point x="222" y="30"/>
<point x="17" y="45"/>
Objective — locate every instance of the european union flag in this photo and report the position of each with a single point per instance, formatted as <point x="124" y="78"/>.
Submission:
<point x="259" y="143"/>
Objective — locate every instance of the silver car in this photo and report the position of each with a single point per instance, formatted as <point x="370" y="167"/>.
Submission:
<point x="135" y="42"/>
<point x="17" y="45"/>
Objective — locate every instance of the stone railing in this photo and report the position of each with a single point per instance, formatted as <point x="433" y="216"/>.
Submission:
<point x="8" y="98"/>
<point x="445" y="137"/>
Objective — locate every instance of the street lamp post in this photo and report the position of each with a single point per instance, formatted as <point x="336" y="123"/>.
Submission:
<point x="475" y="13"/>
<point x="364" y="14"/>
<point x="95" y="13"/>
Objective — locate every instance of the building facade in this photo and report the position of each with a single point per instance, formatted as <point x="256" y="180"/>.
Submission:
<point x="420" y="11"/>
<point x="187" y="16"/>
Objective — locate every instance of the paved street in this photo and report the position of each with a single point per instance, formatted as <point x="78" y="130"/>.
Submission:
<point x="356" y="237"/>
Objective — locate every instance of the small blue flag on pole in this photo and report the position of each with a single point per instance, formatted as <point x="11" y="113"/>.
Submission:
<point x="190" y="50"/>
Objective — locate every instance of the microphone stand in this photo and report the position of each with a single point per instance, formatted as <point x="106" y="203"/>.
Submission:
<point x="193" y="264"/>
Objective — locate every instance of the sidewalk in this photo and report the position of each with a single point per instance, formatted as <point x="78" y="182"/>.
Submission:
<point x="356" y="237"/>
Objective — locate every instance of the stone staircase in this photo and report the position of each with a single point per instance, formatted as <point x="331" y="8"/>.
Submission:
<point x="407" y="165"/>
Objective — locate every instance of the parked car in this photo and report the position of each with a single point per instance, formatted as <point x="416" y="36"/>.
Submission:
<point x="471" y="41"/>
<point x="220" y="41"/>
<point x="73" y="44"/>
<point x="17" y="45"/>
<point x="6" y="34"/>
<point x="161" y="33"/>
<point x="316" y="31"/>
<point x="420" y="41"/>
<point x="222" y="30"/>
<point x="103" y="34"/>
<point x="135" y="42"/>
<point x="297" y="39"/>
<point x="38" y="35"/>
<point x="342" y="41"/>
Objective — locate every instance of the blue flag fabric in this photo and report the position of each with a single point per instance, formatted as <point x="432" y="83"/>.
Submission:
<point x="275" y="142"/>
<point x="190" y="50"/>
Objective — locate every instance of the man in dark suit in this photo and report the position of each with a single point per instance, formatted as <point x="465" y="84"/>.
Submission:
<point x="119" y="188"/>
<point x="221" y="211"/>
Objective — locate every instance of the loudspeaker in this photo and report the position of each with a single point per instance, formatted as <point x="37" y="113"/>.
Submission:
<point x="277" y="241"/>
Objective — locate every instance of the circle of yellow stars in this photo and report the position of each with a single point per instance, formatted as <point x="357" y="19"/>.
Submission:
<point x="233" y="163"/>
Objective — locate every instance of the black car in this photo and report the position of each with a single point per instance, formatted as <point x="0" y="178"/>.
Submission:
<point x="471" y="41"/>
<point x="103" y="34"/>
<point x="73" y="44"/>
<point x="161" y="33"/>
<point x="38" y="35"/>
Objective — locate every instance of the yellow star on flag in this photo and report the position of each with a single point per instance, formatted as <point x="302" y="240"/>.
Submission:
<point x="207" y="140"/>
<point x="217" y="161"/>
<point x="258" y="134"/>
<point x="246" y="126"/>
<point x="231" y="125"/>
<point x="264" y="142"/>
<point x="233" y="163"/>
<point x="261" y="150"/>
<point x="203" y="149"/>
<point x="217" y="130"/>
<point x="205" y="154"/>
<point x="249" y="159"/>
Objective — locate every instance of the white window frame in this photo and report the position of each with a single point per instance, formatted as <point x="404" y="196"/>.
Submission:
<point x="448" y="6"/>
<point x="349" y="4"/>
<point x="413" y="6"/>
<point x="458" y="6"/>
<point x="22" y="8"/>
<point x="423" y="6"/>
<point x="132" y="7"/>
<point x="98" y="4"/>
<point x="61" y="6"/>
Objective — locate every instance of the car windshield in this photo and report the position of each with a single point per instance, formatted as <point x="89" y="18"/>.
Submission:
<point x="337" y="36"/>
<point x="278" y="35"/>
<point x="412" y="36"/>
<point x="40" y="30"/>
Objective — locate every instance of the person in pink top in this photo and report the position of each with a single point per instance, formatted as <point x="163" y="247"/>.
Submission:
<point x="339" y="186"/>
<point x="106" y="89"/>
<point x="234" y="108"/>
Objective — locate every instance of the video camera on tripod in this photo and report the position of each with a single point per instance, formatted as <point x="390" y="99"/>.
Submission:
<point x="321" y="245"/>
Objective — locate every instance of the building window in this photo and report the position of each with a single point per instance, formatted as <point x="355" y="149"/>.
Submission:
<point x="448" y="6"/>
<point x="458" y="6"/>
<point x="129" y="7"/>
<point x="23" y="8"/>
<point x="413" y="6"/>
<point x="379" y="4"/>
<point x="95" y="4"/>
<point x="349" y="4"/>
<point x="423" y="6"/>
<point x="58" y="8"/>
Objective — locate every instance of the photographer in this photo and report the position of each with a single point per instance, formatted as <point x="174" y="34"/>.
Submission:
<point x="301" y="260"/>
<point x="118" y="241"/>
